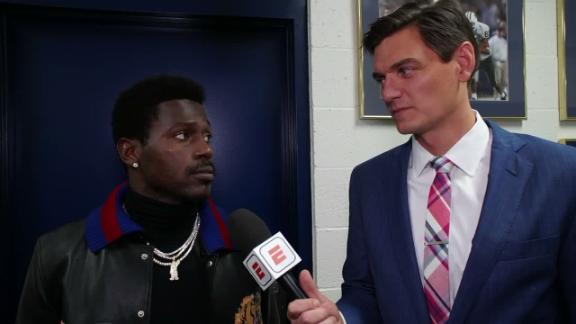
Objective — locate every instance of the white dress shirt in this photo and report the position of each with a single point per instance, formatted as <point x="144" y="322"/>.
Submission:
<point x="469" y="177"/>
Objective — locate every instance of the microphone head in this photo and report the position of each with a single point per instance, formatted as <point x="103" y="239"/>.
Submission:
<point x="247" y="230"/>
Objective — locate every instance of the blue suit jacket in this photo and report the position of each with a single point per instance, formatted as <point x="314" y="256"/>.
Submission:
<point x="522" y="266"/>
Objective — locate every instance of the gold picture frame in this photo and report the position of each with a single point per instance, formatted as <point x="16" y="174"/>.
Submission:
<point x="566" y="60"/>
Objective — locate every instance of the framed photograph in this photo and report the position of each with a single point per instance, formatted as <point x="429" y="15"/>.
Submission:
<point x="566" y="59"/>
<point x="498" y="85"/>
<point x="568" y="141"/>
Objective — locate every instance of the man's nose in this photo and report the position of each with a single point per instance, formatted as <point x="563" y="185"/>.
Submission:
<point x="389" y="90"/>
<point x="205" y="150"/>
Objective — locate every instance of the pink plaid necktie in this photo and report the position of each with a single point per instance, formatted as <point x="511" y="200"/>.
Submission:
<point x="436" y="279"/>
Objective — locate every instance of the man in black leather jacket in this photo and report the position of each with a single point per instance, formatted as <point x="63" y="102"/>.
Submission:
<point x="158" y="249"/>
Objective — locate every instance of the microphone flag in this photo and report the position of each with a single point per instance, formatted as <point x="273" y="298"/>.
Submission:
<point x="271" y="259"/>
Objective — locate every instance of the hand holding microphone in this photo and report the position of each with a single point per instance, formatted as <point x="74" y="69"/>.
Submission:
<point x="316" y="309"/>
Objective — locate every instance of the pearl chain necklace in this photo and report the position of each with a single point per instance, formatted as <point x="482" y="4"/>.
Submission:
<point x="173" y="259"/>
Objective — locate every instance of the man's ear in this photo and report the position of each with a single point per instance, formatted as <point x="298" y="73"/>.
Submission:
<point x="129" y="150"/>
<point x="466" y="59"/>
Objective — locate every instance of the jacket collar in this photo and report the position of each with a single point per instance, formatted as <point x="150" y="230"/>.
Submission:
<point x="110" y="222"/>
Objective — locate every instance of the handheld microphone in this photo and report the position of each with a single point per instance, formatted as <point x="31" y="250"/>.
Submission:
<point x="270" y="257"/>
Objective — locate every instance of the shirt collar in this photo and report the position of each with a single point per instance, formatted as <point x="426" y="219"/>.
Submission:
<point x="466" y="154"/>
<point x="110" y="222"/>
<point x="419" y="158"/>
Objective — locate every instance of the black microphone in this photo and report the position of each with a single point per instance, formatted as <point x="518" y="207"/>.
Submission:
<point x="249" y="231"/>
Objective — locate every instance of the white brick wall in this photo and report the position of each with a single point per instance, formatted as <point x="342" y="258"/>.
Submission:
<point x="340" y="140"/>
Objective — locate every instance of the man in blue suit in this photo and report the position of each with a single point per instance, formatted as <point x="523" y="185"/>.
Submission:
<point x="464" y="223"/>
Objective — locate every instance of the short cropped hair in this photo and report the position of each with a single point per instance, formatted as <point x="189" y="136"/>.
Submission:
<point x="137" y="107"/>
<point x="442" y="25"/>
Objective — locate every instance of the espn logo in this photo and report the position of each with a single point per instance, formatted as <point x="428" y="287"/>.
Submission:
<point x="277" y="254"/>
<point x="260" y="273"/>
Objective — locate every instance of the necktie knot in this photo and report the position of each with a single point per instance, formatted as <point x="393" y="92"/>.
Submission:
<point x="441" y="164"/>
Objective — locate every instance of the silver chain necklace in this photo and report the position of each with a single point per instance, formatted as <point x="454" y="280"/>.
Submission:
<point x="173" y="259"/>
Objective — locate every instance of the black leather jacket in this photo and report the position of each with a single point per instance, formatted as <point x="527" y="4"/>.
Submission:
<point x="69" y="281"/>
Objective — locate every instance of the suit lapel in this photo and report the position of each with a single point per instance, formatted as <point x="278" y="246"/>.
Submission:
<point x="400" y="235"/>
<point x="506" y="182"/>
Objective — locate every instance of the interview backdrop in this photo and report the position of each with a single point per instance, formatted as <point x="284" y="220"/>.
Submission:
<point x="62" y="67"/>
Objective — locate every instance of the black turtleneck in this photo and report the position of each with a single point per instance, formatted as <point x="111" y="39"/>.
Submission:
<point x="167" y="227"/>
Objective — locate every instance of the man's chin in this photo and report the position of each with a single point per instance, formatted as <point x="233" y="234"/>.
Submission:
<point x="407" y="128"/>
<point x="198" y="193"/>
<point x="404" y="130"/>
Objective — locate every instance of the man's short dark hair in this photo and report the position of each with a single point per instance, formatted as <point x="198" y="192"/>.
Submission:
<point x="137" y="106"/>
<point x="442" y="25"/>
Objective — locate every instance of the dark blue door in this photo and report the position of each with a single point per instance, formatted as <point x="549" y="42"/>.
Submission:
<point x="63" y="67"/>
